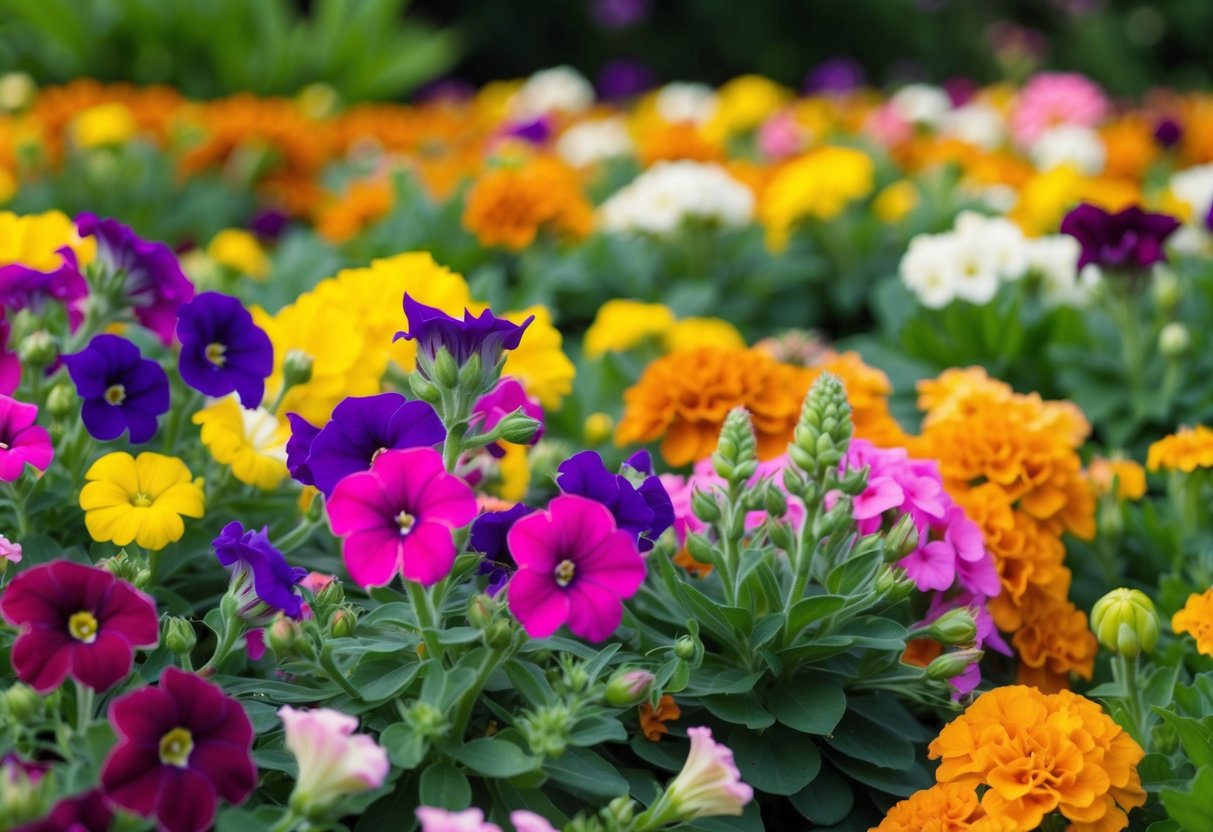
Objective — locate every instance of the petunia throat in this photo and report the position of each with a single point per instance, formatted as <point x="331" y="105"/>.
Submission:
<point x="176" y="747"/>
<point x="406" y="522"/>
<point x="216" y="354"/>
<point x="83" y="626"/>
<point x="115" y="394"/>
<point x="565" y="570"/>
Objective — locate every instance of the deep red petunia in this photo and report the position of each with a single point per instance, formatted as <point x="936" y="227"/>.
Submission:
<point x="76" y="621"/>
<point x="86" y="812"/>
<point x="182" y="746"/>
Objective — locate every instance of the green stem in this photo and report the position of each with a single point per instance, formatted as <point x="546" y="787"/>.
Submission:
<point x="84" y="707"/>
<point x="426" y="617"/>
<point x="463" y="711"/>
<point x="232" y="630"/>
<point x="453" y="446"/>
<point x="288" y="822"/>
<point x="330" y="666"/>
<point x="297" y="536"/>
<point x="1126" y="669"/>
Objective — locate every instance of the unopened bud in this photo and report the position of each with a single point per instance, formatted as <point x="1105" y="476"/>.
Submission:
<point x="343" y="622"/>
<point x="499" y="634"/>
<point x="296" y="368"/>
<point x="736" y="456"/>
<point x="902" y="539"/>
<point x="481" y="611"/>
<point x="61" y="402"/>
<point x="38" y="350"/>
<point x="426" y="720"/>
<point x="1125" y="622"/>
<point x="1174" y="341"/>
<point x="21" y="703"/>
<point x="576" y="679"/>
<point x="517" y="428"/>
<point x="951" y="665"/>
<point x="443" y="371"/>
<point x="700" y="549"/>
<point x="954" y="628"/>
<point x="621" y="810"/>
<point x="684" y="648"/>
<point x="472" y="376"/>
<point x="284" y="637"/>
<point x="1167" y="290"/>
<point x="704" y="506"/>
<point x="824" y="429"/>
<point x="893" y="584"/>
<point x="775" y="503"/>
<point x="629" y="687"/>
<point x="332" y="594"/>
<point x="179" y="636"/>
<point x="424" y="389"/>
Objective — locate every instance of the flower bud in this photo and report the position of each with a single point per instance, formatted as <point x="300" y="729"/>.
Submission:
<point x="499" y="634"/>
<point x="823" y="431"/>
<point x="426" y="720"/>
<point x="21" y="703"/>
<point x="704" y="505"/>
<point x="424" y="389"/>
<point x="38" y="350"/>
<point x="1125" y="622"/>
<point x="736" y="456"/>
<point x="1174" y="341"/>
<point x="517" y="428"/>
<point x="894" y="584"/>
<point x="951" y="665"/>
<point x="621" y="810"/>
<point x="122" y="566"/>
<point x="576" y="679"/>
<point x="343" y="622"/>
<point x="481" y="611"/>
<point x="179" y="636"/>
<point x="901" y="540"/>
<point x="775" y="503"/>
<point x="332" y="594"/>
<point x="598" y="428"/>
<point x="1167" y="290"/>
<point x="629" y="687"/>
<point x="284" y="637"/>
<point x="443" y="371"/>
<point x="700" y="549"/>
<point x="296" y="368"/>
<point x="955" y="628"/>
<point x="684" y="648"/>
<point x="61" y="402"/>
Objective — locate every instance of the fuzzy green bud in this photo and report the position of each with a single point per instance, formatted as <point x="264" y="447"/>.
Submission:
<point x="38" y="350"/>
<point x="343" y="622"/>
<point x="517" y="428"/>
<point x="628" y="687"/>
<point x="736" y="456"/>
<point x="61" y="402"/>
<point x="443" y="371"/>
<point x="901" y="540"/>
<point x="179" y="636"/>
<point x="775" y="503"/>
<point x="547" y="729"/>
<point x="824" y="430"/>
<point x="424" y="389"/>
<point x="955" y="628"/>
<point x="704" y="506"/>
<point x="284" y="637"/>
<point x="1167" y="290"/>
<point x="21" y="703"/>
<point x="122" y="566"/>
<point x="296" y="368"/>
<point x="951" y="665"/>
<point x="700" y="549"/>
<point x="893" y="584"/>
<point x="481" y="611"/>
<point x="1125" y="622"/>
<point x="499" y="634"/>
<point x="684" y="648"/>
<point x="621" y="811"/>
<point x="426" y="720"/>
<point x="1174" y="341"/>
<point x="331" y="595"/>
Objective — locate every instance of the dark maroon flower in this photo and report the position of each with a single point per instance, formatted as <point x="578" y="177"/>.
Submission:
<point x="87" y="812"/>
<point x="182" y="745"/>
<point x="1168" y="133"/>
<point x="76" y="620"/>
<point x="1132" y="239"/>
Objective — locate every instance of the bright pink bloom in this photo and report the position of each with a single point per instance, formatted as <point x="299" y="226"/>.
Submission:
<point x="333" y="760"/>
<point x="76" y="620"/>
<point x="574" y="567"/>
<point x="9" y="551"/>
<point x="440" y="820"/>
<point x="530" y="822"/>
<point x="398" y="518"/>
<point x="780" y="137"/>
<point x="21" y="441"/>
<point x="709" y="783"/>
<point x="887" y="127"/>
<point x="1055" y="98"/>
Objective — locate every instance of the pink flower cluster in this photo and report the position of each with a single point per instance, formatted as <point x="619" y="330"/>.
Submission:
<point x="703" y="478"/>
<point x="1052" y="99"/>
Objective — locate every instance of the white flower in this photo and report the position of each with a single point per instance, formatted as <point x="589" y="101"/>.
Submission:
<point x="1006" y="247"/>
<point x="922" y="104"/>
<point x="658" y="200"/>
<point x="1195" y="187"/>
<point x="678" y="102"/>
<point x="585" y="144"/>
<point x="558" y="90"/>
<point x="1069" y="144"/>
<point x="1054" y="259"/>
<point x="333" y="760"/>
<point x="977" y="269"/>
<point x="977" y="124"/>
<point x="929" y="269"/>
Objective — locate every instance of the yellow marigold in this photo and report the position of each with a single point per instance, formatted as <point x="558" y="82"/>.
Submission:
<point x="539" y="361"/>
<point x="1128" y="477"/>
<point x="509" y="206"/>
<point x="1038" y="753"/>
<point x="945" y="807"/>
<point x="623" y="324"/>
<point x="239" y="251"/>
<point x="1185" y="450"/>
<point x="896" y="201"/>
<point x="35" y="240"/>
<point x="819" y="184"/>
<point x="362" y="204"/>
<point x="104" y="125"/>
<point x="139" y="499"/>
<point x="1046" y="197"/>
<point x="703" y="332"/>
<point x="683" y="399"/>
<point x="1196" y="619"/>
<point x="1053" y="642"/>
<point x="251" y="442"/>
<point x="744" y="103"/>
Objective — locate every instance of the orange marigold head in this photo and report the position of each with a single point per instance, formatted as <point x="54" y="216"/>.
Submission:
<point x="1053" y="642"/>
<point x="1127" y="476"/>
<point x="362" y="204"/>
<point x="1196" y="619"/>
<point x="508" y="206"/>
<point x="1185" y="450"/>
<point x="945" y="807"/>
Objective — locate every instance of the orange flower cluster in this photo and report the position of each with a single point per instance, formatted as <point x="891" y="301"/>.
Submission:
<point x="1186" y="450"/>
<point x="362" y="204"/>
<point x="508" y="206"/>
<point x="945" y="807"/>
<point x="653" y="720"/>
<point x="1127" y="476"/>
<point x="1196" y="619"/>
<point x="1039" y="753"/>
<point x="1011" y="461"/>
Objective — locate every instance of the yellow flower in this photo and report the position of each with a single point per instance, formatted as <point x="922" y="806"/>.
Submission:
<point x="690" y="333"/>
<point x="139" y="499"/>
<point x="1129" y="477"/>
<point x="252" y="442"/>
<point x="539" y="362"/>
<point x="598" y="428"/>
<point x="895" y="202"/>
<point x="333" y="338"/>
<point x="1196" y="619"/>
<point x="818" y="184"/>
<point x="34" y="240"/>
<point x="239" y="251"/>
<point x="515" y="470"/>
<point x="104" y="125"/>
<point x="623" y="324"/>
<point x="743" y="104"/>
<point x="1185" y="450"/>
<point x="8" y="185"/>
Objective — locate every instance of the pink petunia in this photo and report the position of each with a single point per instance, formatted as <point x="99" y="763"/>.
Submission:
<point x="1051" y="99"/>
<point x="398" y="518"/>
<point x="21" y="441"/>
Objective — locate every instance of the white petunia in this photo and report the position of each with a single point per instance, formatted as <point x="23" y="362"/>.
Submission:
<point x="561" y="89"/>
<point x="680" y="101"/>
<point x="922" y="104"/>
<point x="1069" y="144"/>
<point x="590" y="142"/>
<point x="661" y="198"/>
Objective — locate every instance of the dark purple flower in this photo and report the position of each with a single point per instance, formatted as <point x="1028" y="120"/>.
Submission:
<point x="505" y="398"/>
<point x="1131" y="239"/>
<point x="298" y="447"/>
<point x="643" y="512"/>
<point x="445" y="90"/>
<point x="182" y="745"/>
<point x="262" y="581"/>
<point x="154" y="283"/>
<point x="76" y="621"/>
<point x="485" y="335"/>
<point x="87" y="812"/>
<point x="834" y="76"/>
<point x="362" y="427"/>
<point x="121" y="389"/>
<point x="1209" y="218"/>
<point x="619" y="14"/>
<point x="488" y="537"/>
<point x="222" y="350"/>
<point x="536" y="131"/>
<point x="624" y="78"/>
<point x="269" y="223"/>
<point x="24" y="288"/>
<point x="1168" y="132"/>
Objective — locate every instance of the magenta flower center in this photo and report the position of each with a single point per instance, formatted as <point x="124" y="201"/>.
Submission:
<point x="406" y="522"/>
<point x="564" y="572"/>
<point x="140" y="499"/>
<point x="115" y="394"/>
<point x="175" y="748"/>
<point x="215" y="354"/>
<point x="83" y="627"/>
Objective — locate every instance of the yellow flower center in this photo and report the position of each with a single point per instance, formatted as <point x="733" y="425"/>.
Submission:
<point x="564" y="572"/>
<point x="375" y="455"/>
<point x="115" y="394"/>
<point x="406" y="522"/>
<point x="140" y="499"/>
<point x="215" y="354"/>
<point x="83" y="627"/>
<point x="175" y="748"/>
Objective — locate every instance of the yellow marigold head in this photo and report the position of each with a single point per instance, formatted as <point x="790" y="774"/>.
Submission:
<point x="819" y="184"/>
<point x="703" y="332"/>
<point x="945" y="807"/>
<point x="104" y="125"/>
<point x="539" y="361"/>
<point x="1126" y="475"/>
<point x="1196" y="619"/>
<point x="509" y="206"/>
<point x="743" y="104"/>
<point x="139" y="499"/>
<point x="35" y="240"/>
<point x="251" y="442"/>
<point x="1185" y="450"/>
<point x="895" y="202"/>
<point x="621" y="325"/>
<point x="239" y="251"/>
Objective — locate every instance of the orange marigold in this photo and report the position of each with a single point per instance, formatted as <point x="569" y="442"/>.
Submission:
<point x="1053" y="641"/>
<point x="1128" y="477"/>
<point x="653" y="720"/>
<point x="679" y="141"/>
<point x="1196" y="619"/>
<point x="1039" y="753"/>
<point x="945" y="807"/>
<point x="362" y="204"/>
<point x="508" y="206"/>
<point x="1185" y="450"/>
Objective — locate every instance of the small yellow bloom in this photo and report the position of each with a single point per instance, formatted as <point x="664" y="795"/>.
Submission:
<point x="895" y="202"/>
<point x="1129" y="477"/>
<point x="239" y="251"/>
<point x="690" y="333"/>
<point x="1196" y="619"/>
<point x="743" y="104"/>
<point x="539" y="362"/>
<point x="35" y="240"/>
<point x="819" y="184"/>
<point x="515" y="471"/>
<point x="104" y="125"/>
<point x="598" y="428"/>
<point x="1185" y="450"/>
<point x="252" y="442"/>
<point x="623" y="324"/>
<point x="139" y="499"/>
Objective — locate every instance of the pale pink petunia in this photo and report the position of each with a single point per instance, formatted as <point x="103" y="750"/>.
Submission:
<point x="9" y="551"/>
<point x="530" y="822"/>
<point x="709" y="783"/>
<point x="440" y="820"/>
<point x="333" y="760"/>
<point x="1051" y="99"/>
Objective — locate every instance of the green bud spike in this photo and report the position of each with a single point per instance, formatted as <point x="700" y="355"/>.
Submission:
<point x="824" y="430"/>
<point x="736" y="457"/>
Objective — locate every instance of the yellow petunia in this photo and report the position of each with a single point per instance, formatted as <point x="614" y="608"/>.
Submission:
<point x="539" y="362"/>
<point x="239" y="251"/>
<point x="252" y="442"/>
<point x="34" y="240"/>
<point x="623" y="324"/>
<point x="139" y="499"/>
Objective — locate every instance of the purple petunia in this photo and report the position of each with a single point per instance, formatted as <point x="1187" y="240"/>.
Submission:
<point x="182" y="745"/>
<point x="362" y="427"/>
<point x="262" y="581"/>
<point x="506" y="397"/>
<point x="490" y="532"/>
<point x="22" y="287"/>
<point x="643" y="512"/>
<point x="121" y="389"/>
<point x="485" y="335"/>
<point x="155" y="286"/>
<point x="834" y="76"/>
<point x="222" y="350"/>
<point x="1131" y="239"/>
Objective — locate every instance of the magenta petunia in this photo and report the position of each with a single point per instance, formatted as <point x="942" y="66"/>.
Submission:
<point x="398" y="518"/>
<point x="182" y="746"/>
<point x="21" y="441"/>
<point x="574" y="567"/>
<point x="87" y="812"/>
<point x="76" y="621"/>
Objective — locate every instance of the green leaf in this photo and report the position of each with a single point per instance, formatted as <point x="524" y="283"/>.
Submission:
<point x="530" y="682"/>
<point x="405" y="747"/>
<point x="277" y="692"/>
<point x="1194" y="736"/>
<point x="871" y="742"/>
<point x="827" y="800"/>
<point x="854" y="572"/>
<point x="379" y="681"/>
<point x="711" y="679"/>
<point x="809" y="610"/>
<point x="739" y="709"/>
<point x="599" y="728"/>
<point x="583" y="772"/>
<point x="777" y="762"/>
<point x="491" y="757"/>
<point x="445" y="786"/>
<point x="1191" y="808"/>
<point x="808" y="705"/>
